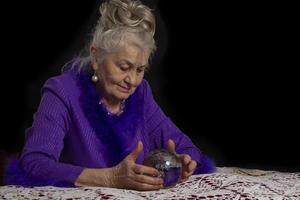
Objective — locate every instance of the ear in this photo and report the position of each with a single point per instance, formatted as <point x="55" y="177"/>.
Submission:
<point x="93" y="53"/>
<point x="93" y="50"/>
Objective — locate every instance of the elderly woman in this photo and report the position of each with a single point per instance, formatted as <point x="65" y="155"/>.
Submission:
<point x="98" y="120"/>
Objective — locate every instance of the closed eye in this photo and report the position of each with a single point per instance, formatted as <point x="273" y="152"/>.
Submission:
<point x="124" y="66"/>
<point x="140" y="69"/>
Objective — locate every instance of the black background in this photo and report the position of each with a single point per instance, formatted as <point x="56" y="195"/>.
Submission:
<point x="225" y="74"/>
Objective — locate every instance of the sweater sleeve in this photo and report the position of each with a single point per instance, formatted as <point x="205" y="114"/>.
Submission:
<point x="45" y="138"/>
<point x="161" y="129"/>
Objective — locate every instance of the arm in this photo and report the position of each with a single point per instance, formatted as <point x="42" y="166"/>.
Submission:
<point x="95" y="177"/>
<point x="161" y="129"/>
<point x="45" y="139"/>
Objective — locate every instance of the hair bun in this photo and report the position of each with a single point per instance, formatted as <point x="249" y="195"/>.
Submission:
<point x="126" y="13"/>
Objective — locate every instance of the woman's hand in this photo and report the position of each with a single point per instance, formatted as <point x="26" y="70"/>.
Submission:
<point x="126" y="175"/>
<point x="129" y="175"/>
<point x="188" y="165"/>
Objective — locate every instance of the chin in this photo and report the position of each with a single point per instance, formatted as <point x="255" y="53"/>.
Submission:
<point x="122" y="96"/>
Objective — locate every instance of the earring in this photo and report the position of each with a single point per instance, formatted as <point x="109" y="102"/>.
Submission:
<point x="95" y="78"/>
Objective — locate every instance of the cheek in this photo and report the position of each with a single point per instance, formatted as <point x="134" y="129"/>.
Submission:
<point x="115" y="78"/>
<point x="140" y="78"/>
<point x="109" y="74"/>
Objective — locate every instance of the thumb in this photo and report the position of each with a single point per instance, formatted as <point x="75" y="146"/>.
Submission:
<point x="171" y="146"/>
<point x="135" y="153"/>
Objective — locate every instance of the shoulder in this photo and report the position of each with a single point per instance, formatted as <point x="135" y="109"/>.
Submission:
<point x="61" y="81"/>
<point x="63" y="85"/>
<point x="67" y="80"/>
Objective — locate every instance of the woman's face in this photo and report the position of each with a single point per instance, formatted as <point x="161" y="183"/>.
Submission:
<point x="121" y="72"/>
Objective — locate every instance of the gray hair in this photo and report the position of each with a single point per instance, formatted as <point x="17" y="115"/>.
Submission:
<point x="123" y="21"/>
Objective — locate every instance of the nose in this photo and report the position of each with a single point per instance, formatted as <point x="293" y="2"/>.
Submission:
<point x="131" y="78"/>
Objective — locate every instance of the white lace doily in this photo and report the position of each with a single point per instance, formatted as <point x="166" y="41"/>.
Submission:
<point x="227" y="183"/>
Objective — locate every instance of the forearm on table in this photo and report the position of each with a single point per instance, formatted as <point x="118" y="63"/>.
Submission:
<point x="42" y="167"/>
<point x="95" y="177"/>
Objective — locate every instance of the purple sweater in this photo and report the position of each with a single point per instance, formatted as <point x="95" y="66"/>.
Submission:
<point x="71" y="131"/>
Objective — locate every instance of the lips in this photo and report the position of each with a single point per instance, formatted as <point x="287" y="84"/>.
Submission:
<point x="124" y="89"/>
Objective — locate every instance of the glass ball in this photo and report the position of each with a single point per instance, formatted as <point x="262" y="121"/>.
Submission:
<point x="168" y="165"/>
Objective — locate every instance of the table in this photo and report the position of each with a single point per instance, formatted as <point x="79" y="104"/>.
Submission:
<point x="226" y="183"/>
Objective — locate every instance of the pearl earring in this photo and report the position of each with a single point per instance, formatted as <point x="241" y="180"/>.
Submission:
<point x="95" y="78"/>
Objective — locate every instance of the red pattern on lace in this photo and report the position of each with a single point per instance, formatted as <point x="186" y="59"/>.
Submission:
<point x="226" y="184"/>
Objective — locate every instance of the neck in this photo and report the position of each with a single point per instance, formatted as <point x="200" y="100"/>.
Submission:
<point x="112" y="105"/>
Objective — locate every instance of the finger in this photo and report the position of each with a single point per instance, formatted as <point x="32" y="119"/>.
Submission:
<point x="186" y="175"/>
<point x="141" y="178"/>
<point x="135" y="153"/>
<point x="189" y="169"/>
<point x="142" y="169"/>
<point x="186" y="159"/>
<point x="192" y="166"/>
<point x="183" y="179"/>
<point x="171" y="146"/>
<point x="144" y="186"/>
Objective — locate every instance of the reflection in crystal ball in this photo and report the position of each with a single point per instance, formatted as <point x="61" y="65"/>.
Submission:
<point x="168" y="165"/>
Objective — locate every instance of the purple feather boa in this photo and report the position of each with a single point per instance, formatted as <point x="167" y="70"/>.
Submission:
<point x="116" y="132"/>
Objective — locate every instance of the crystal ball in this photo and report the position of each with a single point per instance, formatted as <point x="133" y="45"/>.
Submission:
<point x="168" y="165"/>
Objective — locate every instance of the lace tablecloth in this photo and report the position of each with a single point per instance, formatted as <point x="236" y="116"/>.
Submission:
<point x="226" y="183"/>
